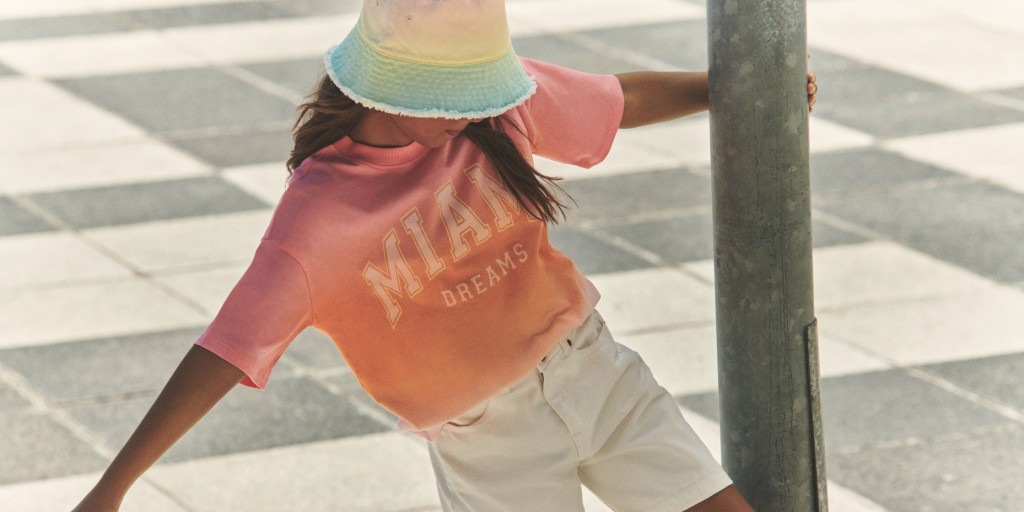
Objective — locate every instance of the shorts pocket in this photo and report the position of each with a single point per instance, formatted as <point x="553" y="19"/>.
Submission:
<point x="469" y="420"/>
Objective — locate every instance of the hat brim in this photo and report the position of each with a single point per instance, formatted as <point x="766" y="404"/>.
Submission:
<point x="466" y="91"/>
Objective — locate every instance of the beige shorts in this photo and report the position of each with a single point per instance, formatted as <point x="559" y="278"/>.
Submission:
<point x="591" y="413"/>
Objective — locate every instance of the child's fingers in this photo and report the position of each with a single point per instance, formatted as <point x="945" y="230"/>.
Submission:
<point x="812" y="90"/>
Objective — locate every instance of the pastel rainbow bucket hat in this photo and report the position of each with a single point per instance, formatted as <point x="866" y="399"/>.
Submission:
<point x="431" y="58"/>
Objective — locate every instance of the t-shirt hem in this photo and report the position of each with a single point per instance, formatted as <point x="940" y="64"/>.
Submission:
<point x="695" y="493"/>
<point x="252" y="379"/>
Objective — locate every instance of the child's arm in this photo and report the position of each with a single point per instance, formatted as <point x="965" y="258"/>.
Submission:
<point x="653" y="97"/>
<point x="200" y="381"/>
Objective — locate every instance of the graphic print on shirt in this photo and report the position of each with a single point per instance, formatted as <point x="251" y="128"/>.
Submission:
<point x="395" y="278"/>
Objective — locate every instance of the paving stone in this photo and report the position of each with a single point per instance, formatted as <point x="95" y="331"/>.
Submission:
<point x="559" y="51"/>
<point x="254" y="147"/>
<point x="682" y="44"/>
<point x="207" y="14"/>
<point x="1017" y="92"/>
<point x="35" y="447"/>
<point x="593" y="255"/>
<point x="868" y="168"/>
<point x="10" y="399"/>
<point x="971" y="224"/>
<point x="101" y="368"/>
<point x="861" y="83"/>
<point x="290" y="411"/>
<point x="919" y="113"/>
<point x="314" y="350"/>
<point x="950" y="474"/>
<point x="299" y="75"/>
<point x="59" y="26"/>
<point x="900" y="408"/>
<point x="614" y="197"/>
<point x="142" y="202"/>
<point x="183" y="99"/>
<point x="1000" y="377"/>
<point x="6" y="71"/>
<point x="321" y="7"/>
<point x="16" y="221"/>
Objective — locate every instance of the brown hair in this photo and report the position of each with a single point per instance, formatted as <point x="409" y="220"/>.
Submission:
<point x="328" y="116"/>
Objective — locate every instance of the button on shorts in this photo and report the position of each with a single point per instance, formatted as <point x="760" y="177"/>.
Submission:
<point x="590" y="413"/>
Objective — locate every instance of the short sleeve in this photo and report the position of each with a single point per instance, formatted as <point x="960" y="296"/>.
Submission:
<point x="265" y="311"/>
<point x="574" y="116"/>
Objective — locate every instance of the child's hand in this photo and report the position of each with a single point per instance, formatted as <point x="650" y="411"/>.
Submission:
<point x="812" y="90"/>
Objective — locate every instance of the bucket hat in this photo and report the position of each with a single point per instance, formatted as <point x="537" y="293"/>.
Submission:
<point x="431" y="58"/>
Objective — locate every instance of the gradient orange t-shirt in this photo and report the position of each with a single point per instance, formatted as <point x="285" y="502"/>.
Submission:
<point x="437" y="287"/>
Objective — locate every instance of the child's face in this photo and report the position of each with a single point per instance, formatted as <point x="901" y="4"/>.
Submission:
<point x="430" y="132"/>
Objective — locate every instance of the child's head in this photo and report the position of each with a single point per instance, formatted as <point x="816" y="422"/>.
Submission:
<point x="448" y="59"/>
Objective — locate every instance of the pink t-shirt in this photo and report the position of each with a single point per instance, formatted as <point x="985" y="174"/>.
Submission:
<point x="437" y="287"/>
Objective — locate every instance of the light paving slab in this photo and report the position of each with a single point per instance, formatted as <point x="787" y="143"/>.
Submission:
<point x="994" y="153"/>
<point x="79" y="123"/>
<point x="125" y="161"/>
<point x="185" y="243"/>
<point x="39" y="8"/>
<point x="653" y="298"/>
<point x="50" y="315"/>
<point x="827" y="136"/>
<point x="684" y="361"/>
<point x="103" y="54"/>
<point x="963" y="325"/>
<point x="1002" y="15"/>
<point x="52" y="258"/>
<point x="263" y="40"/>
<point x="65" y="493"/>
<point x="383" y="472"/>
<point x="575" y="15"/>
<point x="265" y="181"/>
<point x="979" y="59"/>
<point x="208" y="288"/>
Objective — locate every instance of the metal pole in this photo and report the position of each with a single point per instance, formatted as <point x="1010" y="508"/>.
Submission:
<point x="767" y="343"/>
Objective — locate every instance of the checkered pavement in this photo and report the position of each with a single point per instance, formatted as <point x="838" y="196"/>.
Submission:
<point x="141" y="152"/>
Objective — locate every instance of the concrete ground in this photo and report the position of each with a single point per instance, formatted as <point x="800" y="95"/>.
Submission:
<point x="141" y="150"/>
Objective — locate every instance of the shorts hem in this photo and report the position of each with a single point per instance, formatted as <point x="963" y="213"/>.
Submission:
<point x="694" y="493"/>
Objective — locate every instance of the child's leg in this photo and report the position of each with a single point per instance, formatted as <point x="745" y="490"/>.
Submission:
<point x="510" y="454"/>
<point x="639" y="454"/>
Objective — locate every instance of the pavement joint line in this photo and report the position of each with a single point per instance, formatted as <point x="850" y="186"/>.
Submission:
<point x="639" y="59"/>
<point x="1002" y="100"/>
<point x="59" y="415"/>
<point x="631" y="248"/>
<point x="221" y="131"/>
<point x="989" y="403"/>
<point x="137" y="272"/>
<point x="637" y="218"/>
<point x="948" y="437"/>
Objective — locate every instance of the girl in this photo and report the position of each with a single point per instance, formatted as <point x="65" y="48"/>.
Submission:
<point x="413" y="232"/>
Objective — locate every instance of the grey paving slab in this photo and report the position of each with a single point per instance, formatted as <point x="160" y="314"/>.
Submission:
<point x="103" y="368"/>
<point x="207" y="14"/>
<point x="691" y="237"/>
<point x="1016" y="92"/>
<point x="978" y="471"/>
<point x="1000" y="378"/>
<point x="863" y="84"/>
<point x="683" y="44"/>
<point x="290" y="411"/>
<point x="10" y="399"/>
<point x="914" y="113"/>
<point x="142" y="202"/>
<point x="870" y="409"/>
<point x="822" y="61"/>
<point x="184" y="99"/>
<point x="253" y="147"/>
<point x="35" y="447"/>
<point x="593" y="255"/>
<point x="6" y="71"/>
<point x="15" y="220"/>
<point x="60" y="26"/>
<point x="613" y="197"/>
<point x="321" y="7"/>
<point x="314" y="350"/>
<point x="972" y="224"/>
<point x="299" y="75"/>
<point x="559" y="51"/>
<point x="868" y="168"/>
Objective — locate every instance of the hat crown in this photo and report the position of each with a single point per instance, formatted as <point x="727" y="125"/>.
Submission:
<point x="439" y="32"/>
